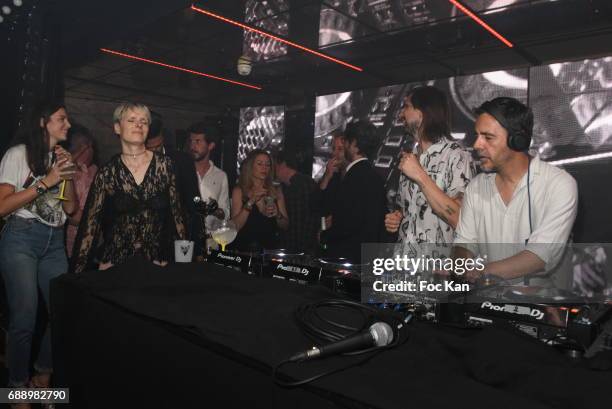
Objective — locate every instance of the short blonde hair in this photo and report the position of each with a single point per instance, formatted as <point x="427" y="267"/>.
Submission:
<point x="129" y="106"/>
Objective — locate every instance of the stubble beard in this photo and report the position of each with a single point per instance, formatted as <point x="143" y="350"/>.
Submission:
<point x="198" y="157"/>
<point x="412" y="129"/>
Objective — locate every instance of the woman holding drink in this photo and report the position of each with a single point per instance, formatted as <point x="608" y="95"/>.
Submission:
<point x="258" y="207"/>
<point x="32" y="250"/>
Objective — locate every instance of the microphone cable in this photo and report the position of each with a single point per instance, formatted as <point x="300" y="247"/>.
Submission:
<point x="323" y="330"/>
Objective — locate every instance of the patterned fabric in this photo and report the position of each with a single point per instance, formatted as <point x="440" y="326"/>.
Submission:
<point x="15" y="171"/>
<point x="452" y="168"/>
<point x="143" y="218"/>
<point x="589" y="270"/>
<point x="301" y="198"/>
<point x="46" y="207"/>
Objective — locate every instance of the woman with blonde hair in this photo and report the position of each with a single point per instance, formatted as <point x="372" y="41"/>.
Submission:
<point x="137" y="189"/>
<point x="258" y="207"/>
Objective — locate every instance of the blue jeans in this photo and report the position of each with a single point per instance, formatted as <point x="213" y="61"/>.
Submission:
<point x="31" y="255"/>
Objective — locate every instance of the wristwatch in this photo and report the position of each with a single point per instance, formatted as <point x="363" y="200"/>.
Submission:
<point x="248" y="205"/>
<point x="40" y="189"/>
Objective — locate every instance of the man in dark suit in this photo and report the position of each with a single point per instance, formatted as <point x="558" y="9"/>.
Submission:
<point x="186" y="180"/>
<point x="334" y="170"/>
<point x="358" y="213"/>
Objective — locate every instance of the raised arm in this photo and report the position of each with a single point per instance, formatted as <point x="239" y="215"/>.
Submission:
<point x="10" y="200"/>
<point x="446" y="204"/>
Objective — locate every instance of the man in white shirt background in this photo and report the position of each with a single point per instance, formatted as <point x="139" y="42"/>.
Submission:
<point x="518" y="199"/>
<point x="212" y="181"/>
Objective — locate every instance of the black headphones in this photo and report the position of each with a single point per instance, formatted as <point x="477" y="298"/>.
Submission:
<point x="519" y="138"/>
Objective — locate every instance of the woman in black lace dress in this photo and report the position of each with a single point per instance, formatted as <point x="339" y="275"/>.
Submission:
<point x="133" y="205"/>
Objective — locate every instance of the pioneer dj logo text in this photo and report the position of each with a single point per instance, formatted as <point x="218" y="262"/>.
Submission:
<point x="514" y="309"/>
<point x="224" y="256"/>
<point x="293" y="269"/>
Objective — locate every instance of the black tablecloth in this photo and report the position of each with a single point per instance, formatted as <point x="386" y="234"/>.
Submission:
<point x="200" y="335"/>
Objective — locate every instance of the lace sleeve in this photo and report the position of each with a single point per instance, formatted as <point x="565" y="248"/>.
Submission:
<point x="89" y="227"/>
<point x="176" y="208"/>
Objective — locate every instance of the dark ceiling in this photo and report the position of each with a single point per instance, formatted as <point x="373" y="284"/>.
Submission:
<point x="440" y="44"/>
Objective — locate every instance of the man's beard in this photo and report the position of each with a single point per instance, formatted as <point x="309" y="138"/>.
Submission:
<point x="198" y="156"/>
<point x="412" y="129"/>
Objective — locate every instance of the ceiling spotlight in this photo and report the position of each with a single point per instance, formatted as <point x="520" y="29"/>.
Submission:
<point x="244" y="65"/>
<point x="6" y="10"/>
<point x="17" y="3"/>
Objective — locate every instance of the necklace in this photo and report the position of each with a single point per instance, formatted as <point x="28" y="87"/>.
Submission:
<point x="133" y="155"/>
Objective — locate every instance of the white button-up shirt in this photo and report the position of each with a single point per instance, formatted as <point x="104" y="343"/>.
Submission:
<point x="214" y="185"/>
<point x="486" y="220"/>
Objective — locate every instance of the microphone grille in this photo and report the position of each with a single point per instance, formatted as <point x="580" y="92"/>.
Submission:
<point x="382" y="333"/>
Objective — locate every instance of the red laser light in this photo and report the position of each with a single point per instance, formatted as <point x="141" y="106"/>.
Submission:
<point x="282" y="40"/>
<point x="481" y="22"/>
<point x="176" y="67"/>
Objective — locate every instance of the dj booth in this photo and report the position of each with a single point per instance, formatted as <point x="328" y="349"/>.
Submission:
<point x="203" y="335"/>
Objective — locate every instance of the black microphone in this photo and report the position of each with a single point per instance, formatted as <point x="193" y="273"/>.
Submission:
<point x="379" y="334"/>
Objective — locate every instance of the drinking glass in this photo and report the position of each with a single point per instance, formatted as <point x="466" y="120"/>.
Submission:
<point x="61" y="196"/>
<point x="223" y="232"/>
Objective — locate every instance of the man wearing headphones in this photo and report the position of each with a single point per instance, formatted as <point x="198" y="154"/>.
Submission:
<point x="518" y="199"/>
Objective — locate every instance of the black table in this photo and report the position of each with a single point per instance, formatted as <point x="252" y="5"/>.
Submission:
<point x="201" y="335"/>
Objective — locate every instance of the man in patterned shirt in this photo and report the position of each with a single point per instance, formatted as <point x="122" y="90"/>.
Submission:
<point x="434" y="176"/>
